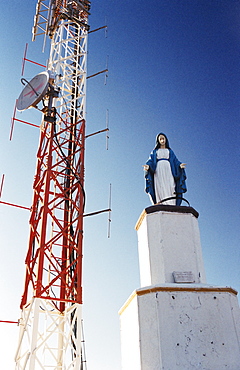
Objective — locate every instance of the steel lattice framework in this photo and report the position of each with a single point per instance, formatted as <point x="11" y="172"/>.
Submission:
<point x="50" y="326"/>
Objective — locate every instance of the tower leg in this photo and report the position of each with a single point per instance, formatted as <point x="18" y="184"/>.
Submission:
<point x="49" y="338"/>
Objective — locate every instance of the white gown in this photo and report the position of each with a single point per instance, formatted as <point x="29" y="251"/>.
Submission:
<point x="163" y="179"/>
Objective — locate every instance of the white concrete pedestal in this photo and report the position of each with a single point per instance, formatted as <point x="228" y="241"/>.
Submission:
<point x="168" y="242"/>
<point x="186" y="327"/>
<point x="176" y="321"/>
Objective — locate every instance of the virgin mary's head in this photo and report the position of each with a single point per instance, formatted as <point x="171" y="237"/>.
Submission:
<point x="158" y="145"/>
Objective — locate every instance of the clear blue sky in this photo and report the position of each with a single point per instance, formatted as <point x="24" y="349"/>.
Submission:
<point x="174" y="67"/>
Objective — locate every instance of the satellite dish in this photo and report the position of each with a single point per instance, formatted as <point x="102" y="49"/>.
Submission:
<point x="33" y="92"/>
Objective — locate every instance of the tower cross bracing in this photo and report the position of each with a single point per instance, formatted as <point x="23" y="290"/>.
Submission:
<point x="50" y="325"/>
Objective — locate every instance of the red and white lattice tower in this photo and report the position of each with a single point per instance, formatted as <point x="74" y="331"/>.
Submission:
<point x="50" y="324"/>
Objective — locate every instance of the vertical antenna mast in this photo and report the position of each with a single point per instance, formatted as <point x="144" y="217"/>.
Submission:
<point x="50" y="325"/>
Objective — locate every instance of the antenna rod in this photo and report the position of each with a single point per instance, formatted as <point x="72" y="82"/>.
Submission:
<point x="98" y="73"/>
<point x="1" y="187"/>
<point x="97" y="132"/>
<point x="107" y="129"/>
<point x="110" y="210"/>
<point x="97" y="29"/>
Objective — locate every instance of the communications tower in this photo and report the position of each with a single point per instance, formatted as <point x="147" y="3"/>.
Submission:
<point x="50" y="324"/>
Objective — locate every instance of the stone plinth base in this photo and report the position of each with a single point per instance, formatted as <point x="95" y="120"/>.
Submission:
<point x="181" y="326"/>
<point x="169" y="246"/>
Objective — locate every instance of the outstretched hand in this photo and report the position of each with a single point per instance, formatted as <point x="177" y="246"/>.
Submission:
<point x="183" y="165"/>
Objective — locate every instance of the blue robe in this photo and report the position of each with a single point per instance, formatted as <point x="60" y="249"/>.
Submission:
<point x="178" y="173"/>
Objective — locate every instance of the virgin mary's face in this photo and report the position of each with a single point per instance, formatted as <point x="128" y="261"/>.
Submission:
<point x="162" y="141"/>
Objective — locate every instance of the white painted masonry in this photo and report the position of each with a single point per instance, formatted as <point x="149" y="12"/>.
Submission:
<point x="167" y="325"/>
<point x="168" y="242"/>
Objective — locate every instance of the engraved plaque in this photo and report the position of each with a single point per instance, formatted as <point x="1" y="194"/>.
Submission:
<point x="183" y="277"/>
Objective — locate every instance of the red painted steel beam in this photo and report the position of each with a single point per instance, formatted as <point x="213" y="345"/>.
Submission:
<point x="54" y="258"/>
